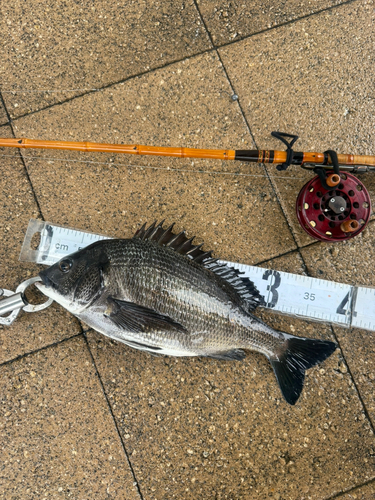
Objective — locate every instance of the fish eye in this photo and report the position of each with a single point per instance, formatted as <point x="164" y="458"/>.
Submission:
<point x="65" y="265"/>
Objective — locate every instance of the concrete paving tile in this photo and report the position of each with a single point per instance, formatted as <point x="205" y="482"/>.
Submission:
<point x="199" y="428"/>
<point x="58" y="438"/>
<point x="70" y="45"/>
<point x="228" y="21"/>
<point x="348" y="262"/>
<point x="17" y="205"/>
<point x="326" y="261"/>
<point x="233" y="208"/>
<point x="299" y="80"/>
<point x="363" y="493"/>
<point x="351" y="262"/>
<point x="359" y="350"/>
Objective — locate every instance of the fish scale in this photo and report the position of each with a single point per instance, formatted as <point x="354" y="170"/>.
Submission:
<point x="152" y="287"/>
<point x="159" y="293"/>
<point x="185" y="280"/>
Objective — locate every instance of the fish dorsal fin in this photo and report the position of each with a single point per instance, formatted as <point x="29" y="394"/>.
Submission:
<point x="246" y="290"/>
<point x="178" y="241"/>
<point x="244" y="287"/>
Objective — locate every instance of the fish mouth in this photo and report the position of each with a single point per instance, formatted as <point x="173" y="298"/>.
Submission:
<point x="46" y="281"/>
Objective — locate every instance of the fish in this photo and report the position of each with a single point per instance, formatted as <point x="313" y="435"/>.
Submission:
<point x="160" y="293"/>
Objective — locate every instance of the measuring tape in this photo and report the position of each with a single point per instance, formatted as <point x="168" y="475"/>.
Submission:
<point x="287" y="293"/>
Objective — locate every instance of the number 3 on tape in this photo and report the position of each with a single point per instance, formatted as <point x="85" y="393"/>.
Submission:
<point x="275" y="282"/>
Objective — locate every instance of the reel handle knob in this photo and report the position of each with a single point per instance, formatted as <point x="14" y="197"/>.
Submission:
<point x="349" y="226"/>
<point x="333" y="180"/>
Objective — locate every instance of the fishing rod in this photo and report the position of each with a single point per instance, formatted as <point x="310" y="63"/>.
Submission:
<point x="333" y="206"/>
<point x="252" y="156"/>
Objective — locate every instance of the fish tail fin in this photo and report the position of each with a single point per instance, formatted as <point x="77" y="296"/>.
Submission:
<point x="293" y="357"/>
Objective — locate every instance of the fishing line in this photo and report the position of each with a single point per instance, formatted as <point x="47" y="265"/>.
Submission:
<point x="46" y="90"/>
<point x="31" y="158"/>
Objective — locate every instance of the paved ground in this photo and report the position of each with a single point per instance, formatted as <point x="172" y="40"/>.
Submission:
<point x="85" y="418"/>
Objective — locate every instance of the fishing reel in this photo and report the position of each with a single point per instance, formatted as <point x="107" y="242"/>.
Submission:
<point x="335" y="210"/>
<point x="334" y="205"/>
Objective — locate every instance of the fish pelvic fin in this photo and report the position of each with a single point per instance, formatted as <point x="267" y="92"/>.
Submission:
<point x="294" y="357"/>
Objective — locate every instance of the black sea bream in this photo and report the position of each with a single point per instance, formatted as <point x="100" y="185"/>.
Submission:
<point x="159" y="293"/>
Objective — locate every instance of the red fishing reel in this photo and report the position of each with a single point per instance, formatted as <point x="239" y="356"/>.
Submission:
<point x="335" y="214"/>
<point x="334" y="205"/>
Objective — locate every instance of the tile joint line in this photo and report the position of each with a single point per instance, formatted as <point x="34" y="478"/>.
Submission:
<point x="113" y="417"/>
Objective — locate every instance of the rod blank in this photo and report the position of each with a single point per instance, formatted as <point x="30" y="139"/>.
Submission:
<point x="252" y="156"/>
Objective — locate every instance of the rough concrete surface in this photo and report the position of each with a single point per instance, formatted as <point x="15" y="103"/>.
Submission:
<point x="3" y="115"/>
<point x="231" y="21"/>
<point x="351" y="263"/>
<point x="156" y="105"/>
<point x="66" y="444"/>
<point x="54" y="51"/>
<point x="82" y="416"/>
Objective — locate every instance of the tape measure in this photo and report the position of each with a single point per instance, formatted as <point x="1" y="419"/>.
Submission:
<point x="287" y="293"/>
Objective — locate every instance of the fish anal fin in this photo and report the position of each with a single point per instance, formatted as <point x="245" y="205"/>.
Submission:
<point x="233" y="354"/>
<point x="295" y="356"/>
<point x="134" y="318"/>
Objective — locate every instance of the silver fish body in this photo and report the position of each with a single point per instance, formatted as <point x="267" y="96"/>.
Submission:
<point x="151" y="297"/>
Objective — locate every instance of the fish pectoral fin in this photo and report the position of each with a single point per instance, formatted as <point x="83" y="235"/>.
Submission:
<point x="237" y="354"/>
<point x="135" y="318"/>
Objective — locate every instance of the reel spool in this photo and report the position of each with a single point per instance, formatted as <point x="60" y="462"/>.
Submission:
<point x="337" y="214"/>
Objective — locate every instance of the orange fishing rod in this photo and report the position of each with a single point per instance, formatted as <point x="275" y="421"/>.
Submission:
<point x="252" y="156"/>
<point x="333" y="206"/>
